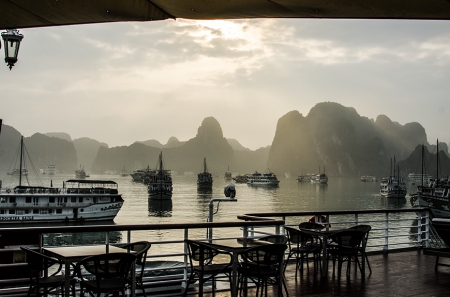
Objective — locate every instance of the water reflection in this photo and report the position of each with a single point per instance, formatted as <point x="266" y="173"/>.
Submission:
<point x="160" y="208"/>
<point x="393" y="202"/>
<point x="81" y="238"/>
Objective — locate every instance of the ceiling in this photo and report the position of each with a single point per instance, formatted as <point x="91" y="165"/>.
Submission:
<point x="18" y="14"/>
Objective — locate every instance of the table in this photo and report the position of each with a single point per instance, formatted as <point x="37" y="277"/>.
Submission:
<point x="325" y="234"/>
<point x="234" y="246"/>
<point x="71" y="254"/>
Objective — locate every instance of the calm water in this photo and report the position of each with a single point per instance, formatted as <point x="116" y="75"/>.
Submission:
<point x="189" y="205"/>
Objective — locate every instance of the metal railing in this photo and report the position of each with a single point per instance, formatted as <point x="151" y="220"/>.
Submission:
<point x="391" y="230"/>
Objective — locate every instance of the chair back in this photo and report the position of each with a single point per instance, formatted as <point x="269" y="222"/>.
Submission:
<point x="263" y="259"/>
<point x="107" y="266"/>
<point x="38" y="263"/>
<point x="141" y="248"/>
<point x="274" y="238"/>
<point x="299" y="238"/>
<point x="200" y="253"/>
<point x="311" y="225"/>
<point x="348" y="239"/>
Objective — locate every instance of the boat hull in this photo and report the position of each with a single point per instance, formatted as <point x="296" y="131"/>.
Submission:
<point x="160" y="195"/>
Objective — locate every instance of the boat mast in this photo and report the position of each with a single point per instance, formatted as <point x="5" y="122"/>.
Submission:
<point x="437" y="160"/>
<point x="422" y="163"/>
<point x="20" y="166"/>
<point x="205" y="169"/>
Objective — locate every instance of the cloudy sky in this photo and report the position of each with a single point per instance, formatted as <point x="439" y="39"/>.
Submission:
<point x="123" y="82"/>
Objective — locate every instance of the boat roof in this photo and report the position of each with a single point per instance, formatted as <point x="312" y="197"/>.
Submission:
<point x="92" y="181"/>
<point x="39" y="13"/>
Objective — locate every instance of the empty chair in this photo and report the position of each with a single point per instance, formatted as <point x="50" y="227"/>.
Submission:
<point x="263" y="264"/>
<point x="38" y="265"/>
<point x="202" y="259"/>
<point x="110" y="273"/>
<point x="141" y="249"/>
<point x="345" y="247"/>
<point x="302" y="245"/>
<point x="275" y="238"/>
<point x="366" y="229"/>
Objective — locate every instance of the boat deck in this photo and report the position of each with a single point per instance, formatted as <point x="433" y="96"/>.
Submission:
<point x="408" y="273"/>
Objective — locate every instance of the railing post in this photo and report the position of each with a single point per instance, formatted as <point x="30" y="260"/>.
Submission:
<point x="427" y="228"/>
<point x="245" y="232"/>
<point x="185" y="259"/>
<point x="128" y="236"/>
<point x="356" y="219"/>
<point x="386" y="233"/>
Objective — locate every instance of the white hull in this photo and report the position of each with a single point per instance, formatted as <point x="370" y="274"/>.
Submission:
<point x="266" y="179"/>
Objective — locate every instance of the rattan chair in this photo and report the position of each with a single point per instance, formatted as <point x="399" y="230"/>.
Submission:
<point x="302" y="245"/>
<point x="141" y="249"/>
<point x="345" y="247"/>
<point x="366" y="229"/>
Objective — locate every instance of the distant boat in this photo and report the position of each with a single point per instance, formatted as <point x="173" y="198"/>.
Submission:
<point x="140" y="175"/>
<point x="50" y="169"/>
<point x="80" y="173"/>
<point x="263" y="179"/>
<point x="204" y="179"/>
<point x="320" y="178"/>
<point x="241" y="179"/>
<point x="418" y="177"/>
<point x="393" y="186"/>
<point x="16" y="172"/>
<point x="160" y="182"/>
<point x="228" y="174"/>
<point x="303" y="178"/>
<point x="123" y="172"/>
<point x="368" y="178"/>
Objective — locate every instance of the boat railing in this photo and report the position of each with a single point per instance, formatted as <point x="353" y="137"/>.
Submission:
<point x="168" y="262"/>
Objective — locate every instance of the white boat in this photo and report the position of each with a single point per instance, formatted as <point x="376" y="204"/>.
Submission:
<point x="80" y="173"/>
<point x="393" y="186"/>
<point x="77" y="200"/>
<point x="123" y="172"/>
<point x="262" y="179"/>
<point x="160" y="183"/>
<point x="141" y="175"/>
<point x="204" y="178"/>
<point x="241" y="178"/>
<point x="50" y="169"/>
<point x="368" y="178"/>
<point x="418" y="177"/>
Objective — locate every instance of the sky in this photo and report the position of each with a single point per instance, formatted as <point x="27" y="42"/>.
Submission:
<point x="124" y="82"/>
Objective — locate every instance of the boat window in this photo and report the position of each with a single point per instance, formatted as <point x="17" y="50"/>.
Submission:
<point x="2" y="211"/>
<point x="35" y="211"/>
<point x="3" y="200"/>
<point x="12" y="211"/>
<point x="27" y="211"/>
<point x="12" y="199"/>
<point x="59" y="210"/>
<point x="80" y="199"/>
<point x="44" y="211"/>
<point x="51" y="199"/>
<point x="73" y="199"/>
<point x="27" y="199"/>
<point x="82" y="209"/>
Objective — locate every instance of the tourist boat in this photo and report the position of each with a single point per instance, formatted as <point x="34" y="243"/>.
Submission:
<point x="435" y="194"/>
<point x="228" y="174"/>
<point x="368" y="178"/>
<point x="320" y="178"/>
<point x="303" y="178"/>
<point x="160" y="183"/>
<point x="204" y="179"/>
<point x="50" y="169"/>
<point x="80" y="173"/>
<point x="263" y="179"/>
<point x="393" y="186"/>
<point x="241" y="179"/>
<point x="77" y="200"/>
<point x="141" y="175"/>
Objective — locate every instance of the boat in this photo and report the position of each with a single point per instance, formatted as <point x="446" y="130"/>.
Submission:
<point x="160" y="182"/>
<point x="50" y="169"/>
<point x="320" y="178"/>
<point x="436" y="193"/>
<point x="204" y="179"/>
<point x="141" y="175"/>
<point x="80" y="173"/>
<point x="77" y="200"/>
<point x="368" y="178"/>
<point x="303" y="178"/>
<point x="241" y="179"/>
<point x="263" y="179"/>
<point x="123" y="172"/>
<point x="17" y="172"/>
<point x="228" y="175"/>
<point x="418" y="177"/>
<point x="393" y="186"/>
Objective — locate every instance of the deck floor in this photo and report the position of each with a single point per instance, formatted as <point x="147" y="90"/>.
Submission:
<point x="407" y="273"/>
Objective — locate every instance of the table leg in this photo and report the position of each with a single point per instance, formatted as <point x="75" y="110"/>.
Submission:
<point x="234" y="279"/>
<point x="133" y="279"/>
<point x="324" y="271"/>
<point x="67" y="278"/>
